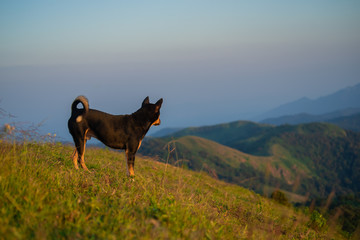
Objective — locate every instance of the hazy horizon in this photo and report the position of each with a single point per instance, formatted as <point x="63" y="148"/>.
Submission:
<point x="211" y="61"/>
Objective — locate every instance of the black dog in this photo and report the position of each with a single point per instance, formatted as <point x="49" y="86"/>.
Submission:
<point x="115" y="131"/>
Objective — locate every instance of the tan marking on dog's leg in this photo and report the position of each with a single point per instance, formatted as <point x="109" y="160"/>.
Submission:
<point x="127" y="166"/>
<point x="82" y="160"/>
<point x="130" y="165"/>
<point x="75" y="159"/>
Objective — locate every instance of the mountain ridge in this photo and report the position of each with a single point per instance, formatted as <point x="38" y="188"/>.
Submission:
<point x="348" y="97"/>
<point x="345" y="118"/>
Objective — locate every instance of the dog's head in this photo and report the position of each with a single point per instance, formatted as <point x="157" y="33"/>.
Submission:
<point x="152" y="110"/>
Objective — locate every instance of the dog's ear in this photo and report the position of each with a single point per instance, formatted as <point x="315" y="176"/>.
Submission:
<point x="158" y="104"/>
<point x="146" y="101"/>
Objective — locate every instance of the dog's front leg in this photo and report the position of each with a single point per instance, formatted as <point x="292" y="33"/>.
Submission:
<point x="130" y="163"/>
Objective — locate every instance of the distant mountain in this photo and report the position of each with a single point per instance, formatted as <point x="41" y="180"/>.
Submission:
<point x="315" y="158"/>
<point x="346" y="118"/>
<point x="231" y="134"/>
<point x="345" y="98"/>
<point x="350" y="122"/>
<point x="165" y="131"/>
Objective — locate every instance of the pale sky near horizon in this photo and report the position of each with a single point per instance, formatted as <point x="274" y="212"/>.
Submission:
<point x="211" y="61"/>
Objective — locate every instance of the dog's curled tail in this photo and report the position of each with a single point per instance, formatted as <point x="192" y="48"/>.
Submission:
<point x="84" y="101"/>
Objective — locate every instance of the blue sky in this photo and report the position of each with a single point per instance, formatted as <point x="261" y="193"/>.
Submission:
<point x="211" y="61"/>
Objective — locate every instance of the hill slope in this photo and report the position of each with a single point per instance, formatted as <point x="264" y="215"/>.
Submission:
<point x="314" y="158"/>
<point x="230" y="134"/>
<point x="231" y="165"/>
<point x="43" y="197"/>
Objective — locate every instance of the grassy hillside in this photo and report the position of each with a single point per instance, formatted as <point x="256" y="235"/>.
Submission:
<point x="254" y="172"/>
<point x="314" y="158"/>
<point x="42" y="196"/>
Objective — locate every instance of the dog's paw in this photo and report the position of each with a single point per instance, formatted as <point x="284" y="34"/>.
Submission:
<point x="132" y="178"/>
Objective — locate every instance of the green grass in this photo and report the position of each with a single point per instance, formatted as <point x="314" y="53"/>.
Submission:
<point x="42" y="196"/>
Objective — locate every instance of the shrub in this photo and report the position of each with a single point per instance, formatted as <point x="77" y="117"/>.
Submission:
<point x="280" y="197"/>
<point x="317" y="221"/>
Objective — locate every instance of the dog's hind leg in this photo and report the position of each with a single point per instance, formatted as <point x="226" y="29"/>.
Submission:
<point x="130" y="163"/>
<point x="81" y="158"/>
<point x="80" y="148"/>
<point x="75" y="158"/>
